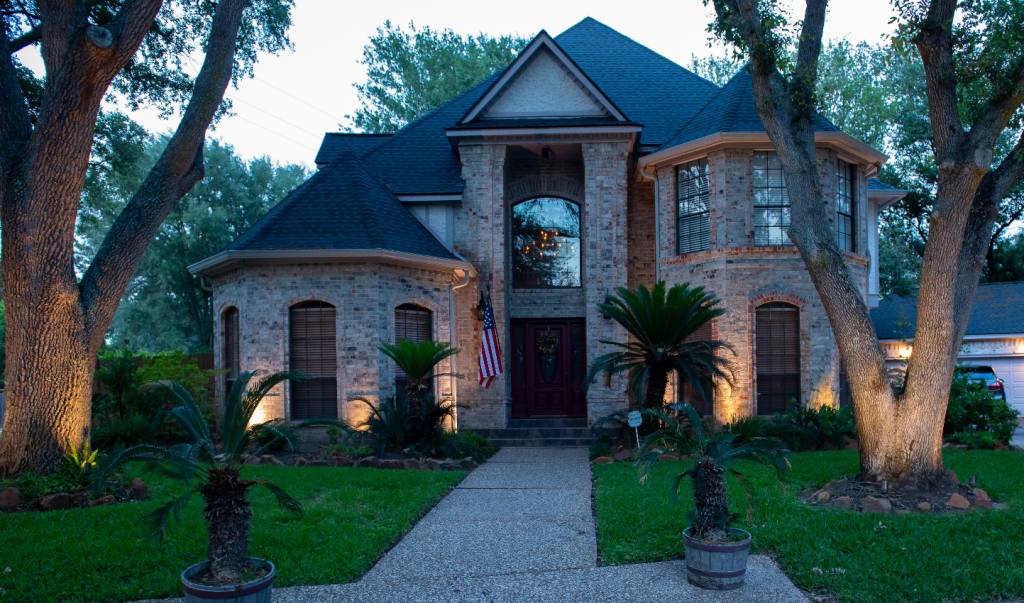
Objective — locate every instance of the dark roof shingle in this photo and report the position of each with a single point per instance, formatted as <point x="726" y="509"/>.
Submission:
<point x="342" y="206"/>
<point x="336" y="143"/>
<point x="997" y="310"/>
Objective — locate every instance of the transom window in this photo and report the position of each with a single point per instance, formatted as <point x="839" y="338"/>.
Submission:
<point x="692" y="192"/>
<point x="771" y="201"/>
<point x="546" y="243"/>
<point x="845" y="207"/>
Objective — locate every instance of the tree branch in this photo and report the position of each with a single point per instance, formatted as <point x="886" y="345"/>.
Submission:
<point x="26" y="39"/>
<point x="176" y="171"/>
<point x="935" y="44"/>
<point x="56" y="19"/>
<point x="130" y="26"/>
<point x="15" y="123"/>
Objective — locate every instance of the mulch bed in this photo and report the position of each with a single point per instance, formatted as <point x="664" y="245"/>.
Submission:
<point x="876" y="497"/>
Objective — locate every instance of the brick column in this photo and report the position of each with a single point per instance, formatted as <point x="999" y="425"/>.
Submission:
<point x="480" y="238"/>
<point x="605" y="259"/>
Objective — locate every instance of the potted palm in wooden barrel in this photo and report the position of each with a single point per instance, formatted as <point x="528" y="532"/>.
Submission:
<point x="716" y="554"/>
<point x="229" y="572"/>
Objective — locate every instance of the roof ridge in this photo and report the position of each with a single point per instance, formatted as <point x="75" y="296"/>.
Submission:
<point x="638" y="44"/>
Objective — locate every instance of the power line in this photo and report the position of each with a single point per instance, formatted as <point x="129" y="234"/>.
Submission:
<point x="262" y="127"/>
<point x="284" y="121"/>
<point x="299" y="99"/>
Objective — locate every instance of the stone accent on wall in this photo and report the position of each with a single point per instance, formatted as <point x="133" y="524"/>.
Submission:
<point x="365" y="297"/>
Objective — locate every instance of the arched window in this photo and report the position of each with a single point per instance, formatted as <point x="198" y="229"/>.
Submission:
<point x="314" y="353"/>
<point x="230" y="347"/>
<point x="546" y="243"/>
<point x="412" y="323"/>
<point x="778" y="356"/>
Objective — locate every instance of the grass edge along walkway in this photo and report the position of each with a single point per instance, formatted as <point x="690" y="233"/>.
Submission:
<point x="850" y="556"/>
<point x="351" y="518"/>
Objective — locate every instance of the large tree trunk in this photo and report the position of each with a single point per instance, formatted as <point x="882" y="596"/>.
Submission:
<point x="55" y="324"/>
<point x="900" y="434"/>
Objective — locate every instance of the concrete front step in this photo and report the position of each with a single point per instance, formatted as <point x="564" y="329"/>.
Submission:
<point x="541" y="442"/>
<point x="552" y="422"/>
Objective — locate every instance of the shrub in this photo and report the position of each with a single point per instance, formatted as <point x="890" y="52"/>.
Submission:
<point x="467" y="443"/>
<point x="974" y="410"/>
<point x="975" y="439"/>
<point x="395" y="425"/>
<point x="120" y="432"/>
<point x="347" y="450"/>
<point x="601" y="446"/>
<point x="805" y="428"/>
<point x="748" y="428"/>
<point x="67" y="478"/>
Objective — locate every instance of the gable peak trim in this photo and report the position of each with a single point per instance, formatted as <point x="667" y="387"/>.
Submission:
<point x="542" y="42"/>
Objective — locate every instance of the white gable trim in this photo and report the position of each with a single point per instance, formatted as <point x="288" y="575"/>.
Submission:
<point x="546" y="42"/>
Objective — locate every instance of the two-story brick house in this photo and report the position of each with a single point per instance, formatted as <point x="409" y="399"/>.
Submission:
<point x="589" y="163"/>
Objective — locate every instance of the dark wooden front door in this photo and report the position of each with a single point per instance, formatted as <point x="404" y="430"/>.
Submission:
<point x="548" y="385"/>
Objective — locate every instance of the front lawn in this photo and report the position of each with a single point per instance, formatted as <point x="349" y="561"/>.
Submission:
<point x="853" y="557"/>
<point x="352" y="516"/>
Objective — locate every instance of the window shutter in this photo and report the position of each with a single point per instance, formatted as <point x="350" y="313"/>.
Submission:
<point x="313" y="345"/>
<point x="778" y="357"/>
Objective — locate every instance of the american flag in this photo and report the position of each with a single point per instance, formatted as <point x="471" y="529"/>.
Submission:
<point x="490" y="353"/>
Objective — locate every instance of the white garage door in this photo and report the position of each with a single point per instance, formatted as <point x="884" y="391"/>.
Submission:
<point x="1011" y="371"/>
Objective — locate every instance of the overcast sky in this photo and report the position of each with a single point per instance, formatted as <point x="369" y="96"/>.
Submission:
<point x="300" y="94"/>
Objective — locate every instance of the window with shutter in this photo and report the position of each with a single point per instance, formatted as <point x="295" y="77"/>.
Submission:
<point x="314" y="353"/>
<point x="778" y="356"/>
<point x="704" y="403"/>
<point x="845" y="207"/>
<point x="771" y="201"/>
<point x="693" y="196"/>
<point x="230" y="347"/>
<point x="412" y="323"/>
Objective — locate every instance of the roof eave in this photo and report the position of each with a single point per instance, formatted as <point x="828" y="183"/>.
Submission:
<point x="227" y="260"/>
<point x="844" y="144"/>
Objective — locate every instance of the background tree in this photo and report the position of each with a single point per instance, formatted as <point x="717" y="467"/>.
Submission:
<point x="411" y="72"/>
<point x="969" y="48"/>
<point x="135" y="50"/>
<point x="230" y="198"/>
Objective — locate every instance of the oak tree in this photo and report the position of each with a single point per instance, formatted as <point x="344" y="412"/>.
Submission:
<point x="966" y="47"/>
<point x="132" y="51"/>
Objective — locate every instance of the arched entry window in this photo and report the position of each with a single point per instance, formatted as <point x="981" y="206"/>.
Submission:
<point x="230" y="347"/>
<point x="778" y="356"/>
<point x="314" y="353"/>
<point x="546" y="243"/>
<point x="412" y="323"/>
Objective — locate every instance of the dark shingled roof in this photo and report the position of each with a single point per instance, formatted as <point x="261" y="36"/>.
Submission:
<point x="731" y="110"/>
<point x="874" y="184"/>
<point x="342" y="206"/>
<point x="998" y="309"/>
<point x="336" y="143"/>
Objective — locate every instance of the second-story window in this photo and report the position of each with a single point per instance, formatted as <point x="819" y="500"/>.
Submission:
<point x="771" y="201"/>
<point x="692" y="195"/>
<point x="846" y="226"/>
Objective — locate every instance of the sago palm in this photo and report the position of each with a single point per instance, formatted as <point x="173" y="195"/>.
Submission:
<point x="417" y="360"/>
<point x="684" y="433"/>
<point x="660" y="326"/>
<point x="216" y="477"/>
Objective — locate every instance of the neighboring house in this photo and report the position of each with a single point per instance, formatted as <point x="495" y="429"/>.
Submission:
<point x="995" y="334"/>
<point x="589" y="163"/>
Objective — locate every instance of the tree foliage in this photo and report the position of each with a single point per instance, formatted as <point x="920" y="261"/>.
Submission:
<point x="409" y="73"/>
<point x="232" y="196"/>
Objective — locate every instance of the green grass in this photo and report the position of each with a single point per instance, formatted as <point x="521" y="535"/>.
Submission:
<point x="976" y="556"/>
<point x="352" y="516"/>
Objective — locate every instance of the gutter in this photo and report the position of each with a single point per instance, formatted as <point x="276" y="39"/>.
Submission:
<point x="644" y="175"/>
<point x="216" y="263"/>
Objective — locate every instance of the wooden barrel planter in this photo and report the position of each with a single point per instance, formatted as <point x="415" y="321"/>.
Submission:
<point x="257" y="591"/>
<point x="720" y="566"/>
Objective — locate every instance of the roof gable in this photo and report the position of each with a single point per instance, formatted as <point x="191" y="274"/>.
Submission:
<point x="543" y="82"/>
<point x="341" y="207"/>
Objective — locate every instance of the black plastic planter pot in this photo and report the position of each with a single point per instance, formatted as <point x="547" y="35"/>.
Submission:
<point x="720" y="566"/>
<point x="257" y="591"/>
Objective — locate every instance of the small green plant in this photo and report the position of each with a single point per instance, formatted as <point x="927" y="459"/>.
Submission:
<point x="84" y="459"/>
<point x="975" y="439"/>
<point x="748" y="428"/>
<point x="67" y="478"/>
<point x="684" y="433"/>
<point x="276" y="435"/>
<point x="465" y="443"/>
<point x="417" y="360"/>
<point x="394" y="424"/>
<point x="805" y="428"/>
<point x="348" y="451"/>
<point x="601" y="446"/>
<point x="121" y="432"/>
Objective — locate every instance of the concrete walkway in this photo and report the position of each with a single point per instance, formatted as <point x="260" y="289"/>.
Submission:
<point x="520" y="528"/>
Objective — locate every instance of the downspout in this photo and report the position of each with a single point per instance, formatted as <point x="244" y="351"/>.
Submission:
<point x="453" y="335"/>
<point x="657" y="219"/>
